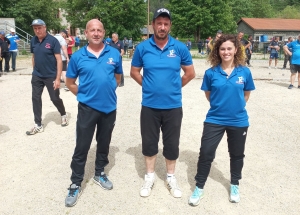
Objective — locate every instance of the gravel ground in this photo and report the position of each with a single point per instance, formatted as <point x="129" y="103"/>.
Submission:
<point x="35" y="170"/>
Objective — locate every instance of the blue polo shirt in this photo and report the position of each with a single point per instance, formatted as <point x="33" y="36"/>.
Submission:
<point x="227" y="103"/>
<point x="295" y="46"/>
<point x="97" y="83"/>
<point x="45" y="65"/>
<point x="13" y="45"/>
<point x="161" y="83"/>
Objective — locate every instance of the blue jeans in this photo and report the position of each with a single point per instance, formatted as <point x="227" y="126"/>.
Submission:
<point x="13" y="56"/>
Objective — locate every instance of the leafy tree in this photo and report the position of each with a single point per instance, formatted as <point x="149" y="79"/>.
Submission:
<point x="241" y="8"/>
<point x="290" y="13"/>
<point x="262" y="9"/>
<point x="125" y="17"/>
<point x="201" y="18"/>
<point x="154" y="4"/>
<point x="25" y="11"/>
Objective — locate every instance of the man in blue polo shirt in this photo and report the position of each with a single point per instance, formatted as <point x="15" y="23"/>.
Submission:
<point x="13" y="49"/>
<point x="295" y="60"/>
<point x="47" y="67"/>
<point x="162" y="58"/>
<point x="99" y="67"/>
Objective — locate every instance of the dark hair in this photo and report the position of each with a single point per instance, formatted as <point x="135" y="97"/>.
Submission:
<point x="239" y="58"/>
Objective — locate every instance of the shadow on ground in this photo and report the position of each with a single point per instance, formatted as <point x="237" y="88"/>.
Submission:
<point x="3" y="129"/>
<point x="160" y="166"/>
<point x="53" y="117"/>
<point x="90" y="164"/>
<point x="285" y="85"/>
<point x="190" y="158"/>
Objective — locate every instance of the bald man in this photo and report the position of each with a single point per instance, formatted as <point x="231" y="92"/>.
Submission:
<point x="99" y="67"/>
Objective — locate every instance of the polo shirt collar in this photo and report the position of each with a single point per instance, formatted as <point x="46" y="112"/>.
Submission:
<point x="170" y="42"/>
<point x="45" y="38"/>
<point x="85" y="52"/>
<point x="219" y="69"/>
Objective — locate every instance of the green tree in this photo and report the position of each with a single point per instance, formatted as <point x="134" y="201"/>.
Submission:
<point x="262" y="9"/>
<point x="290" y="13"/>
<point x="25" y="11"/>
<point x="241" y="8"/>
<point x="125" y="17"/>
<point x="201" y="18"/>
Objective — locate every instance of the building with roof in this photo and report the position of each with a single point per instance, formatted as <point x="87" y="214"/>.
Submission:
<point x="144" y="31"/>
<point x="264" y="29"/>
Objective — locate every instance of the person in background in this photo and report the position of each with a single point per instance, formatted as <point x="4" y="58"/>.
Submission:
<point x="107" y="40"/>
<point x="206" y="45"/>
<point x="274" y="46"/>
<point x="227" y="86"/>
<point x="130" y="47"/>
<point x="47" y="67"/>
<point x="4" y="55"/>
<point x="77" y="42"/>
<point x="295" y="60"/>
<point x="63" y="41"/>
<point x="213" y="41"/>
<point x="162" y="97"/>
<point x="125" y="43"/>
<point x="200" y="46"/>
<point x="99" y="67"/>
<point x="287" y="57"/>
<point x="249" y="50"/>
<point x="116" y="43"/>
<point x="189" y="44"/>
<point x="71" y="44"/>
<point x="13" y="49"/>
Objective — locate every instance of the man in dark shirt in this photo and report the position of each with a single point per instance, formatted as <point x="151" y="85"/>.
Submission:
<point x="116" y="43"/>
<point x="47" y="68"/>
<point x="4" y="51"/>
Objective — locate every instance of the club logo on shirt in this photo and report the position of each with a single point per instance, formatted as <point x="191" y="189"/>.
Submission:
<point x="47" y="46"/>
<point x="240" y="80"/>
<point x="172" y="53"/>
<point x="111" y="61"/>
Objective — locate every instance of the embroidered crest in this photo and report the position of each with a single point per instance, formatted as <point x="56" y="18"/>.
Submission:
<point x="240" y="80"/>
<point x="111" y="61"/>
<point x="47" y="46"/>
<point x="172" y="53"/>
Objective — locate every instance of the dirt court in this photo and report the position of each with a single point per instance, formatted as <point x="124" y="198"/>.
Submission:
<point x="35" y="170"/>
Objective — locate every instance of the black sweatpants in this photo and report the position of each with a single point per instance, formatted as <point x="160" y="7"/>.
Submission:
<point x="5" y="57"/>
<point x="38" y="85"/>
<point x="211" y="137"/>
<point x="87" y="120"/>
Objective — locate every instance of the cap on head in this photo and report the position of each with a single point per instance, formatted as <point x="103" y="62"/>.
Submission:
<point x="12" y="30"/>
<point x="161" y="11"/>
<point x="219" y="31"/>
<point x="2" y="33"/>
<point x="38" y="22"/>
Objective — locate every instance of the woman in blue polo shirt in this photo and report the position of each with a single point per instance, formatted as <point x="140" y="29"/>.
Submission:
<point x="227" y="85"/>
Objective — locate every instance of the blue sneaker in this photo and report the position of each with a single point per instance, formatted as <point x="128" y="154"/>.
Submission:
<point x="196" y="196"/>
<point x="73" y="195"/>
<point x="103" y="181"/>
<point x="234" y="194"/>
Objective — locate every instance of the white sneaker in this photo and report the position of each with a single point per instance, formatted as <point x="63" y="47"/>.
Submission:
<point x="147" y="186"/>
<point x="64" y="120"/>
<point x="66" y="88"/>
<point x="275" y="67"/>
<point x="171" y="184"/>
<point x="35" y="129"/>
<point x="269" y="67"/>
